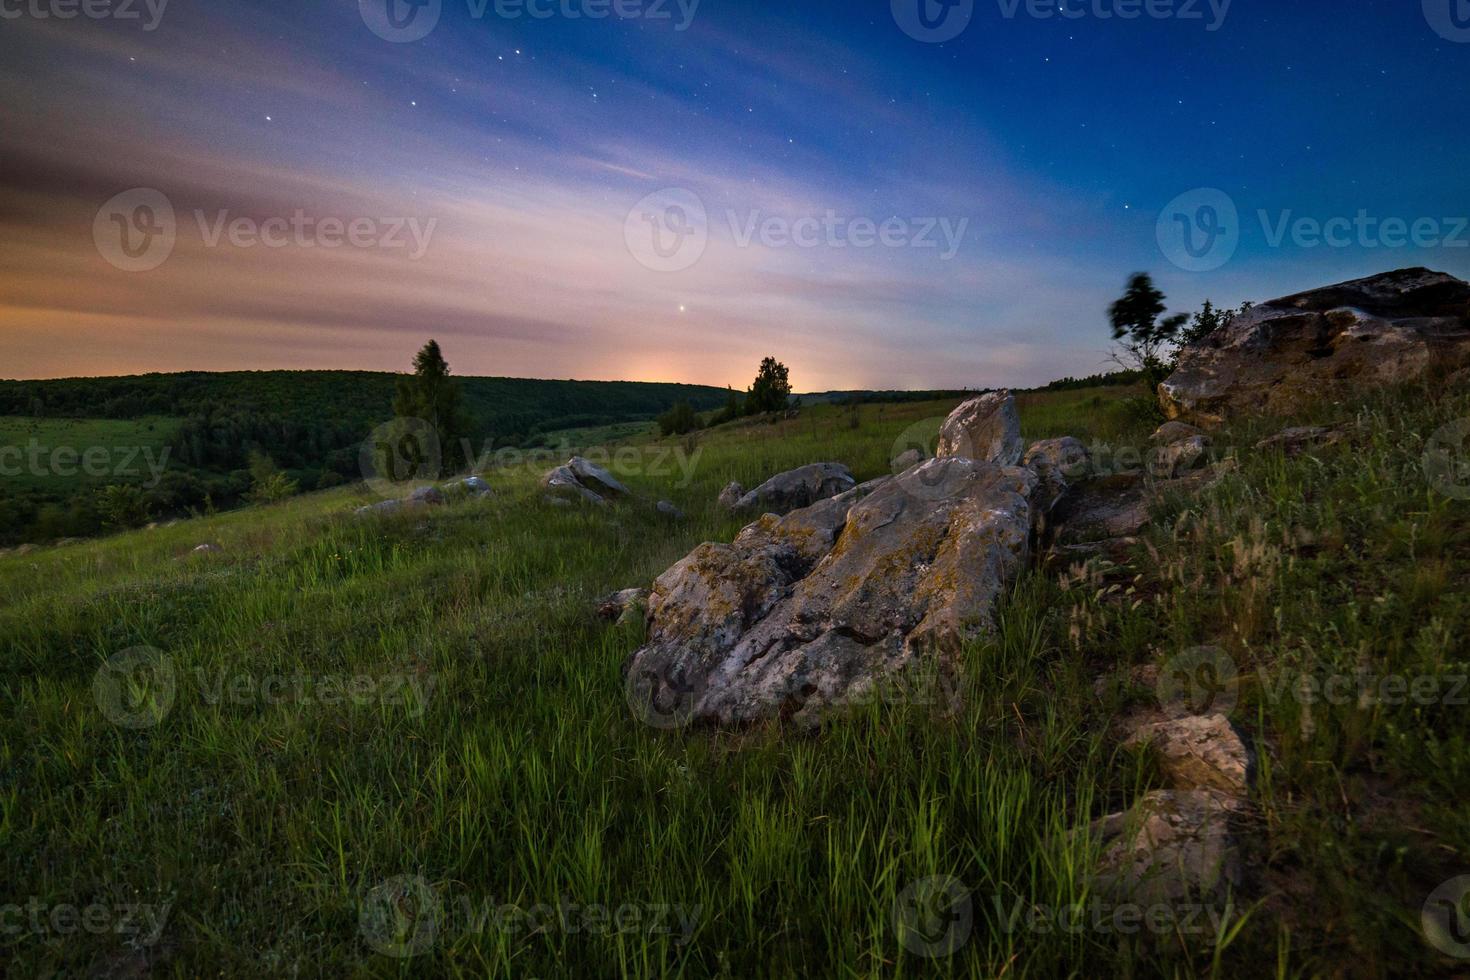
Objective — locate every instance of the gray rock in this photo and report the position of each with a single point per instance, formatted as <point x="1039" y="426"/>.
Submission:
<point x="380" y="509"/>
<point x="1176" y="458"/>
<point x="1172" y="846"/>
<point x="1058" y="464"/>
<point x="207" y="549"/>
<point x="474" y="485"/>
<point x="425" y="496"/>
<point x="668" y="509"/>
<point x="1288" y="353"/>
<point x="730" y="496"/>
<point x="1174" y="431"/>
<point x="579" y="479"/>
<point x="797" y="488"/>
<point x="1107" y="507"/>
<point x="1295" y="441"/>
<point x="986" y="428"/>
<point x="823" y="607"/>
<point x="1199" y="752"/>
<point x="907" y="460"/>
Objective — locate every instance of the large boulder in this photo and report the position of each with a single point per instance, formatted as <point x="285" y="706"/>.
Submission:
<point x="828" y="605"/>
<point x="986" y="428"/>
<point x="797" y="488"/>
<point x="1277" y="357"/>
<point x="580" y="479"/>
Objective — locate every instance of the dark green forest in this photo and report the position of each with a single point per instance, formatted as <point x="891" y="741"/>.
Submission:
<point x="309" y="424"/>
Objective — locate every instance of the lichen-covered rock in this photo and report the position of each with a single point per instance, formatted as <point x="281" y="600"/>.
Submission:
<point x="1198" y="752"/>
<point x="1279" y="356"/>
<point x="1176" y="458"/>
<point x="797" y="488"/>
<point x="818" y="609"/>
<point x="1172" y="846"/>
<point x="1173" y="431"/>
<point x="986" y="428"/>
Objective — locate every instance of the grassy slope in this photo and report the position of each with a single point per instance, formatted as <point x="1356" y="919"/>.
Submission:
<point x="525" y="778"/>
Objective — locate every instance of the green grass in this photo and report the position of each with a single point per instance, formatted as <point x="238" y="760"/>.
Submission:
<point x="54" y="452"/>
<point x="522" y="777"/>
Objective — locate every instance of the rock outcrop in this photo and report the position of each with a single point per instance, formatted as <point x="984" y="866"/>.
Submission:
<point x="820" y="608"/>
<point x="1395" y="327"/>
<point x="986" y="427"/>
<point x="1183" y="843"/>
<point x="794" y="489"/>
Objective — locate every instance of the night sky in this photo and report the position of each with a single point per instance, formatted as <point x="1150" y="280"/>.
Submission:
<point x="1067" y="149"/>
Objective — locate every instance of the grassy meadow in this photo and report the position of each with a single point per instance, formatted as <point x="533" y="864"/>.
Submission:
<point x="427" y="703"/>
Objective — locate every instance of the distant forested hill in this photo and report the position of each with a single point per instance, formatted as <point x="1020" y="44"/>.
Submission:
<point x="310" y="423"/>
<point x="502" y="408"/>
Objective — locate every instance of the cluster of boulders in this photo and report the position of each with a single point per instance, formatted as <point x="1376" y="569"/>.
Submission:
<point x="579" y="480"/>
<point x="429" y="496"/>
<point x="1182" y="843"/>
<point x="841" y="588"/>
<point x="1292" y="352"/>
